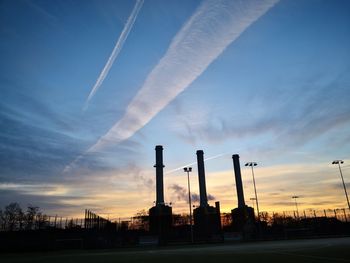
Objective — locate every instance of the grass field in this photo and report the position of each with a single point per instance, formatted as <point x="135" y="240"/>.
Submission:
<point x="312" y="250"/>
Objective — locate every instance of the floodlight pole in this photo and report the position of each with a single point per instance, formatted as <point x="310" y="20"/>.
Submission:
<point x="341" y="175"/>
<point x="253" y="201"/>
<point x="296" y="204"/>
<point x="252" y="164"/>
<point x="188" y="170"/>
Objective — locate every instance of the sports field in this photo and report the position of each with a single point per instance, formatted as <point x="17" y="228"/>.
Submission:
<point x="312" y="250"/>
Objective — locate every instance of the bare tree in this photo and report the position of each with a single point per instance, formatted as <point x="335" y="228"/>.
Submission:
<point x="41" y="221"/>
<point x="13" y="216"/>
<point x="2" y="220"/>
<point x="30" y="216"/>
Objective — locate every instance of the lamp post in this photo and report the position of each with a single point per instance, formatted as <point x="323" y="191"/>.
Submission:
<point x="341" y="175"/>
<point x="253" y="201"/>
<point x="252" y="164"/>
<point x="188" y="170"/>
<point x="296" y="204"/>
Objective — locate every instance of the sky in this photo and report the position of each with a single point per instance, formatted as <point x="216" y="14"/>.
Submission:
<point x="89" y="88"/>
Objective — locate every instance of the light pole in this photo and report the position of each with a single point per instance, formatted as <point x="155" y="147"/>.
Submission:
<point x="296" y="204"/>
<point x="188" y="170"/>
<point x="252" y="164"/>
<point x="341" y="175"/>
<point x="253" y="201"/>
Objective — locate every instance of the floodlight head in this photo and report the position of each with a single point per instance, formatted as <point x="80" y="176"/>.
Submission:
<point x="333" y="162"/>
<point x="341" y="161"/>
<point x="187" y="169"/>
<point x="255" y="164"/>
<point x="246" y="164"/>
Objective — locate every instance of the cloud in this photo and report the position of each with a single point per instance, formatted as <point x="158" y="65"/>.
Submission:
<point x="120" y="191"/>
<point x="23" y="107"/>
<point x="48" y="204"/>
<point x="287" y="119"/>
<point x="140" y="176"/>
<point x="340" y="186"/>
<point x="211" y="197"/>
<point x="209" y="31"/>
<point x="41" y="11"/>
<point x="33" y="189"/>
<point x="117" y="48"/>
<point x="196" y="198"/>
<point x="104" y="161"/>
<point x="37" y="142"/>
<point x="181" y="194"/>
<point x="27" y="150"/>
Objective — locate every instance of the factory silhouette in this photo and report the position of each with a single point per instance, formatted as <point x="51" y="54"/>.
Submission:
<point x="160" y="226"/>
<point x="207" y="220"/>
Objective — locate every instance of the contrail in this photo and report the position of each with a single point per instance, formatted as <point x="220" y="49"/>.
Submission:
<point x="209" y="31"/>
<point x="206" y="159"/>
<point x="117" y="48"/>
<point x="214" y="25"/>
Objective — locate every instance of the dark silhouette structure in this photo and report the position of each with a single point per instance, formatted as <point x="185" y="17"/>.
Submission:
<point x="243" y="216"/>
<point x="160" y="216"/>
<point x="94" y="221"/>
<point x="206" y="218"/>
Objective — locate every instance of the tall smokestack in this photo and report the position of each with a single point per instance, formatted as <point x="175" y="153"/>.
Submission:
<point x="159" y="175"/>
<point x="201" y="178"/>
<point x="238" y="178"/>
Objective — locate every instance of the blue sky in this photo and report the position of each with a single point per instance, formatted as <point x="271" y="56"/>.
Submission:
<point x="268" y="80"/>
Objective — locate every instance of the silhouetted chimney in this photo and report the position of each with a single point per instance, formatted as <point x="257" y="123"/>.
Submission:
<point x="159" y="175"/>
<point x="238" y="178"/>
<point x="201" y="178"/>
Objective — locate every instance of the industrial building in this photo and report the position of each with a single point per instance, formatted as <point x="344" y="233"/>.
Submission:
<point x="160" y="215"/>
<point x="206" y="218"/>
<point x="243" y="216"/>
<point x="207" y="222"/>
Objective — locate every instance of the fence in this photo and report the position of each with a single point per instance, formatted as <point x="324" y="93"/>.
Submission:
<point x="39" y="222"/>
<point x="341" y="214"/>
<point x="141" y="222"/>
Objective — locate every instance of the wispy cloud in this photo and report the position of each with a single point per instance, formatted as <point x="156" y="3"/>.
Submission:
<point x="35" y="189"/>
<point x="214" y="26"/>
<point x="41" y="11"/>
<point x="117" y="48"/>
<point x="291" y="119"/>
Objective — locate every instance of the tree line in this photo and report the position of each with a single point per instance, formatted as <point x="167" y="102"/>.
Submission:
<point x="12" y="218"/>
